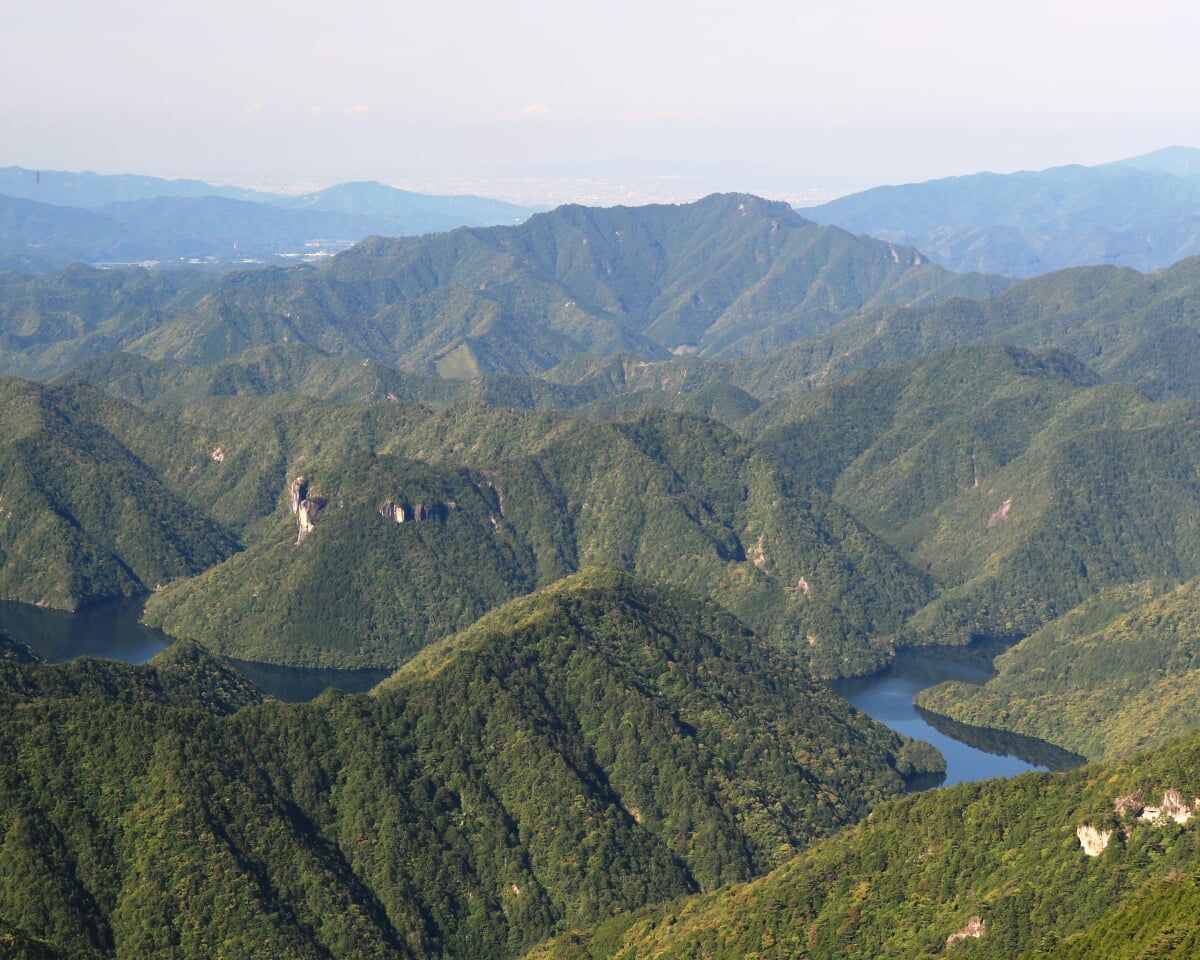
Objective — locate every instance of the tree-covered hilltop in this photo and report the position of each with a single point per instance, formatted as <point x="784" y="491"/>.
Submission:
<point x="81" y="517"/>
<point x="1128" y="326"/>
<point x="1119" y="673"/>
<point x="1021" y="483"/>
<point x="515" y="501"/>
<point x="598" y="746"/>
<point x="1039" y="866"/>
<point x="1017" y="480"/>
<point x="730" y="274"/>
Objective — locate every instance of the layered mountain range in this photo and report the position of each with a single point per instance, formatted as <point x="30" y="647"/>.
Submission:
<point x="52" y="218"/>
<point x="605" y="490"/>
<point x="1143" y="212"/>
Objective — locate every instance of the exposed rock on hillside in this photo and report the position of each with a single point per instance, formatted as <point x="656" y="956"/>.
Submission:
<point x="418" y="513"/>
<point x="306" y="509"/>
<point x="973" y="929"/>
<point x="1093" y="840"/>
<point x="1173" y="808"/>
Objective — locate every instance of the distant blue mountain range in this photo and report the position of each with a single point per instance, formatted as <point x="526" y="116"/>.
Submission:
<point x="52" y="218"/>
<point x="1143" y="212"/>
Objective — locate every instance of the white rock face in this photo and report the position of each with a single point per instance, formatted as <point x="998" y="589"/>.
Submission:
<point x="306" y="509"/>
<point x="1093" y="841"/>
<point x="306" y="517"/>
<point x="974" y="929"/>
<point x="296" y="494"/>
<point x="1173" y="808"/>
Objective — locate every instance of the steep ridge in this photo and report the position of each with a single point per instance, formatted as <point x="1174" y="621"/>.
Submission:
<point x="603" y="744"/>
<point x="730" y="274"/>
<point x="517" y="501"/>
<point x="1125" y="325"/>
<point x="1022" y="484"/>
<point x="81" y="517"/>
<point x="1039" y="866"/>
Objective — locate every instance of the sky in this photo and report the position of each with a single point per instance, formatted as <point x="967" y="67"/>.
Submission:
<point x="633" y="99"/>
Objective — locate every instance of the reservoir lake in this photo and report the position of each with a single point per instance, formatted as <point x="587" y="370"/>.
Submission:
<point x="111" y="630"/>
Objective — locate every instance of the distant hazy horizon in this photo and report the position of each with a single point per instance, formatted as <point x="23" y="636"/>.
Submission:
<point x="543" y="103"/>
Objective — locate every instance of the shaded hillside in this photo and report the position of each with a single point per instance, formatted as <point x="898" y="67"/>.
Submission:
<point x="81" y="517"/>
<point x="297" y="369"/>
<point x="515" y="501"/>
<point x="729" y="274"/>
<point x="1019" y="483"/>
<point x="1119" y="673"/>
<point x="981" y="870"/>
<point x="597" y="747"/>
<point x="1143" y="214"/>
<point x="1124" y="325"/>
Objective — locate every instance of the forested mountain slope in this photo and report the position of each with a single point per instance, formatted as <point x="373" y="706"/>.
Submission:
<point x="730" y="274"/>
<point x="1119" y="673"/>
<point x="81" y="517"/>
<point x="981" y="870"/>
<point x="601" y="745"/>
<point x="1021" y="483"/>
<point x="512" y="501"/>
<point x="1139" y="328"/>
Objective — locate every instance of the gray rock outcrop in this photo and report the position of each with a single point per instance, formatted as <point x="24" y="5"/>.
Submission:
<point x="306" y="509"/>
<point x="416" y="513"/>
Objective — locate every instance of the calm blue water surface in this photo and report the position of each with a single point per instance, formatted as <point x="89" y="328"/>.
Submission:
<point x="112" y="630"/>
<point x="972" y="753"/>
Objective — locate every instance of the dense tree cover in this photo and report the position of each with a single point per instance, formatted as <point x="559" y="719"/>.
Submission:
<point x="1125" y="325"/>
<point x="81" y="518"/>
<point x="901" y="883"/>
<point x="601" y="745"/>
<point x="927" y="454"/>
<point x="598" y="746"/>
<point x="534" y="497"/>
<point x="727" y="274"/>
<point x="1118" y="673"/>
<point x="1016" y="479"/>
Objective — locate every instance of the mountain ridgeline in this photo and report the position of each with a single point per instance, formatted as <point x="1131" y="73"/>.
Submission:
<point x="605" y="490"/>
<point x="594" y="747"/>
<point x="1142" y="213"/>
<point x="52" y="218"/>
<point x="666" y="496"/>
<point x="1080" y="865"/>
<point x="1020" y="482"/>
<point x="81" y="518"/>
<point x="727" y="275"/>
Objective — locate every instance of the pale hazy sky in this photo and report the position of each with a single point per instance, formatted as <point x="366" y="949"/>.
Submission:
<point x="757" y="95"/>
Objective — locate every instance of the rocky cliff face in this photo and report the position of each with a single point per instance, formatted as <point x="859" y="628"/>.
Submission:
<point x="1173" y="808"/>
<point x="973" y="930"/>
<point x="296" y="493"/>
<point x="305" y="508"/>
<point x="417" y="513"/>
<point x="1094" y="841"/>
